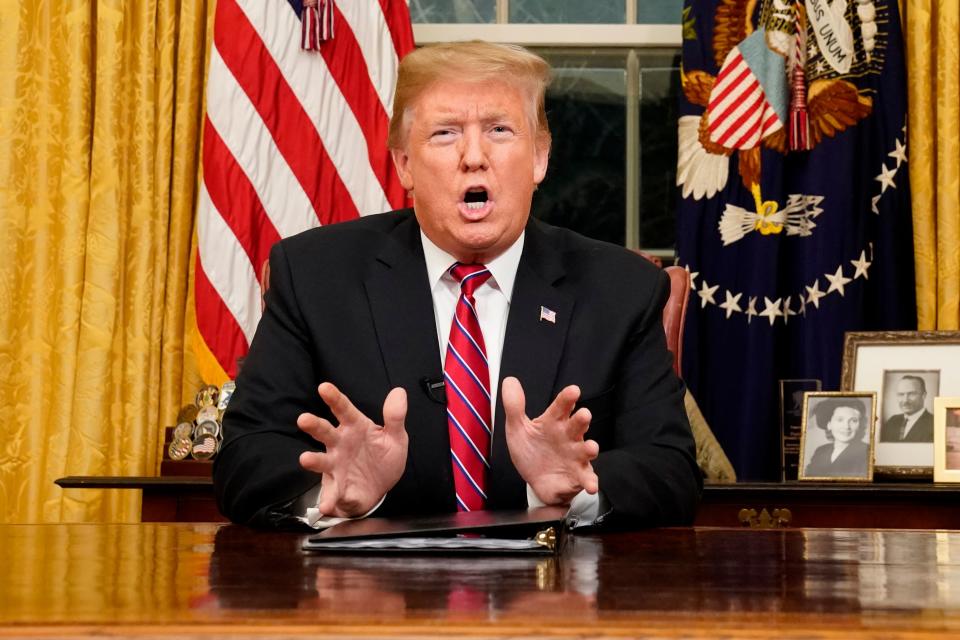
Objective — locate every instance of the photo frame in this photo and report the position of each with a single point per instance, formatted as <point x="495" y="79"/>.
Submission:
<point x="791" y="423"/>
<point x="946" y="439"/>
<point x="837" y="436"/>
<point x="879" y="361"/>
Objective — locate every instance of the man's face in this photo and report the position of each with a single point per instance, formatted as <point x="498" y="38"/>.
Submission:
<point x="472" y="161"/>
<point x="910" y="396"/>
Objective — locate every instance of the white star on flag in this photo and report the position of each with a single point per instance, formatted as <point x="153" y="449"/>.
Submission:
<point x="787" y="311"/>
<point x="731" y="304"/>
<point x="886" y="178"/>
<point x="873" y="204"/>
<point x="814" y="294"/>
<point x="706" y="294"/>
<point x="861" y="266"/>
<point x="900" y="153"/>
<point x="751" y="308"/>
<point x="837" y="280"/>
<point x="771" y="310"/>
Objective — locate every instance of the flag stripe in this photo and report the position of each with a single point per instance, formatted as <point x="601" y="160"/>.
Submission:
<point x="369" y="27"/>
<point x="290" y="128"/>
<point x="284" y="149"/>
<point x="744" y="101"/>
<point x="246" y="136"/>
<point x="227" y="266"/>
<point x="231" y="193"/>
<point x="216" y="324"/>
<point x="728" y="83"/>
<point x="741" y="124"/>
<point x="338" y="132"/>
<point x="397" y="14"/>
<point x="344" y="57"/>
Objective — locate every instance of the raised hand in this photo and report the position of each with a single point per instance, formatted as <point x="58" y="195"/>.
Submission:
<point x="363" y="460"/>
<point x="549" y="452"/>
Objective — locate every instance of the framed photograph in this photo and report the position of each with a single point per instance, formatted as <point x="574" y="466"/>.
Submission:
<point x="791" y="423"/>
<point x="946" y="439"/>
<point x="836" y="439"/>
<point x="907" y="370"/>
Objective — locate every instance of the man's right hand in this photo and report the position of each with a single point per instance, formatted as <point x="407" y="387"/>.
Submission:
<point x="363" y="460"/>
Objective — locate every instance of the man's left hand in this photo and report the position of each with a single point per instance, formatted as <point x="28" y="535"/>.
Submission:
<point x="549" y="452"/>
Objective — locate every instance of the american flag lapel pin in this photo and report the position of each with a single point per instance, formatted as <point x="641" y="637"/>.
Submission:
<point x="548" y="314"/>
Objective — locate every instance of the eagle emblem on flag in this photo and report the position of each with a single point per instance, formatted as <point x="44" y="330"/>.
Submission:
<point x="784" y="84"/>
<point x="793" y="216"/>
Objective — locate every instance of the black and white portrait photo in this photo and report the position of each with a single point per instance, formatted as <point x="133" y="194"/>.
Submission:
<point x="907" y="405"/>
<point x="837" y="436"/>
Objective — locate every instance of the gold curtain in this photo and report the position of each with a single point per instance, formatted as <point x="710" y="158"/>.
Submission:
<point x="931" y="32"/>
<point x="100" y="113"/>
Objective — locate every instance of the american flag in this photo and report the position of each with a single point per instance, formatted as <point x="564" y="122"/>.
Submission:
<point x="740" y="111"/>
<point x="292" y="139"/>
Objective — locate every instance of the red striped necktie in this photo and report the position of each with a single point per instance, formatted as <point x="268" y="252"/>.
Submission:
<point x="467" y="378"/>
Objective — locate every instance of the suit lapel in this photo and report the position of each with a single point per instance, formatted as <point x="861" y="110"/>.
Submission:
<point x="402" y="308"/>
<point x="531" y="351"/>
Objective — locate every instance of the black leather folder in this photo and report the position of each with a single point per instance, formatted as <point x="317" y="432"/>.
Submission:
<point x="534" y="531"/>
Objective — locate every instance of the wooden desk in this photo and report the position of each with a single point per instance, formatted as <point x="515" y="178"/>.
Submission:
<point x="202" y="580"/>
<point x="165" y="498"/>
<point x="878" y="505"/>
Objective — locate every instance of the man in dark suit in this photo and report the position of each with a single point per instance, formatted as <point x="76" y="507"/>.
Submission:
<point x="915" y="424"/>
<point x="569" y="327"/>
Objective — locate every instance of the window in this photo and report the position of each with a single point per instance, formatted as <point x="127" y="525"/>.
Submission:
<point x="612" y="105"/>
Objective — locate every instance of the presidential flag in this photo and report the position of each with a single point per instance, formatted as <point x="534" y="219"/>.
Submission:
<point x="794" y="214"/>
<point x="298" y="105"/>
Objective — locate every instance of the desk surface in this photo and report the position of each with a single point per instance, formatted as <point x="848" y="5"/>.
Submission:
<point x="201" y="580"/>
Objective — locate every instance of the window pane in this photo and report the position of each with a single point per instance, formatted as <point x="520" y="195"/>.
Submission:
<point x="440" y="11"/>
<point x="659" y="84"/>
<point x="568" y="11"/>
<point x="585" y="187"/>
<point x="659" y="11"/>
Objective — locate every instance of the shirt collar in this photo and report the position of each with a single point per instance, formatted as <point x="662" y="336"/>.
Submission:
<point x="909" y="417"/>
<point x="503" y="268"/>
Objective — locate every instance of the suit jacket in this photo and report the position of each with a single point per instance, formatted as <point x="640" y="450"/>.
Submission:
<point x="922" y="430"/>
<point x="852" y="461"/>
<point x="350" y="304"/>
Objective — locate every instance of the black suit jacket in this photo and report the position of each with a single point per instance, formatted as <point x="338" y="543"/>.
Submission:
<point x="351" y="304"/>
<point x="922" y="430"/>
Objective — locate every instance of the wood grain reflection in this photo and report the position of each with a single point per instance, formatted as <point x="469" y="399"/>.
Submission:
<point x="204" y="579"/>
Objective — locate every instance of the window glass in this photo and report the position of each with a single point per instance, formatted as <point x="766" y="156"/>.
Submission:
<point x="585" y="187"/>
<point x="659" y="86"/>
<point x="659" y="11"/>
<point x="568" y="11"/>
<point x="452" y="11"/>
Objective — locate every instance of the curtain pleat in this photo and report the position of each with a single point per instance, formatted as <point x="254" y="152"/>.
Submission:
<point x="100" y="107"/>
<point x="932" y="30"/>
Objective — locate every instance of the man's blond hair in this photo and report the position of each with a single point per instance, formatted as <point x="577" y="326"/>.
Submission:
<point x="473" y="61"/>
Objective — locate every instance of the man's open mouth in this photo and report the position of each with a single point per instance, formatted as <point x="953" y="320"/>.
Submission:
<point x="475" y="198"/>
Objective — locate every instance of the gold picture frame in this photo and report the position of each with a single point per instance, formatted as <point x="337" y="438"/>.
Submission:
<point x="880" y="361"/>
<point x="837" y="435"/>
<point x="946" y="439"/>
